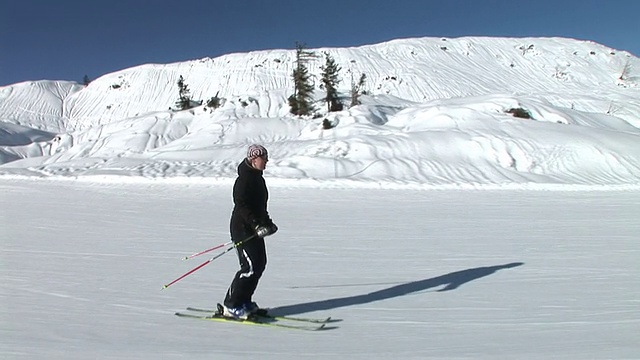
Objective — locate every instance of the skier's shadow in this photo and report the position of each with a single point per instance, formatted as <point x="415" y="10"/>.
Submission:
<point x="450" y="281"/>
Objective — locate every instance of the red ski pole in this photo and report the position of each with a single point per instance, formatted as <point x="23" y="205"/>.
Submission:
<point x="206" y="251"/>
<point x="208" y="261"/>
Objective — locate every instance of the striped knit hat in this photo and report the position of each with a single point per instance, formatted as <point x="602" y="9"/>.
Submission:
<point x="255" y="151"/>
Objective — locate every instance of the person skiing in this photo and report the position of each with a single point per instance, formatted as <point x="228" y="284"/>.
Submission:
<point x="250" y="224"/>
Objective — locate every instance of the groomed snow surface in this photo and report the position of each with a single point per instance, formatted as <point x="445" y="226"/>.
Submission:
<point x="453" y="274"/>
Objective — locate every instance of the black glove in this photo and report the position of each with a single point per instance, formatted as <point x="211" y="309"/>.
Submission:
<point x="262" y="231"/>
<point x="265" y="230"/>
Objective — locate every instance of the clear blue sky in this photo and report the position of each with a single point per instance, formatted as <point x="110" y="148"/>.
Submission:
<point x="67" y="39"/>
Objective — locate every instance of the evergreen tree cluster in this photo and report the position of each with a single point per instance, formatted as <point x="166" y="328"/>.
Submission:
<point x="301" y="101"/>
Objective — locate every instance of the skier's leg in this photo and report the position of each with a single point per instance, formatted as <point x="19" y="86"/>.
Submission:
<point x="252" y="258"/>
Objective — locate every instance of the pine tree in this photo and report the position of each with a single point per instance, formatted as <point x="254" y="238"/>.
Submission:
<point x="356" y="90"/>
<point x="301" y="100"/>
<point x="184" y="99"/>
<point x="330" y="80"/>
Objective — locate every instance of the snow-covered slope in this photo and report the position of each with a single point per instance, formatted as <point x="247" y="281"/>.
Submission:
<point x="435" y="115"/>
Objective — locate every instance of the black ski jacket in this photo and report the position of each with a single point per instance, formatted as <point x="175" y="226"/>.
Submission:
<point x="250" y="197"/>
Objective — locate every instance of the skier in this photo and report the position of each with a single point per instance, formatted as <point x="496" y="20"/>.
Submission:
<point x="249" y="217"/>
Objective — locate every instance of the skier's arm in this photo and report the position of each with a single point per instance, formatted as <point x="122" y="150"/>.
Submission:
<point x="240" y="199"/>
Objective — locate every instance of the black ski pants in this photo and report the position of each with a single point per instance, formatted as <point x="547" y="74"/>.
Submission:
<point x="252" y="255"/>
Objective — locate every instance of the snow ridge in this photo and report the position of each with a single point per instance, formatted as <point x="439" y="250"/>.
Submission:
<point x="436" y="114"/>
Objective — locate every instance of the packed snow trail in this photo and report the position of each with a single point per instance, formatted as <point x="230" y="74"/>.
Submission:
<point x="413" y="274"/>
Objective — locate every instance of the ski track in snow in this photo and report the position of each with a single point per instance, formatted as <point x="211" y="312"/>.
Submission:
<point x="452" y="274"/>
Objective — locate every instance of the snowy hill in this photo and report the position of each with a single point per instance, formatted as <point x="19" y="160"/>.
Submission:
<point x="436" y="115"/>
